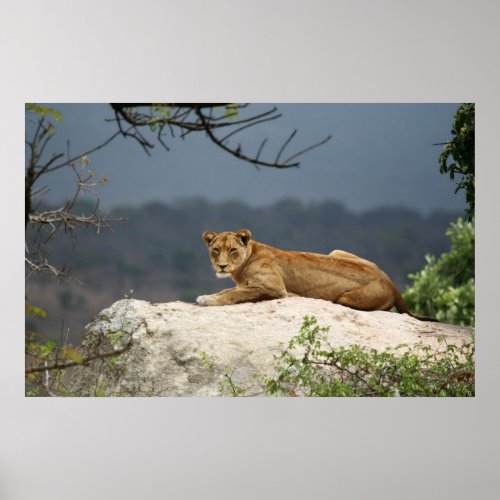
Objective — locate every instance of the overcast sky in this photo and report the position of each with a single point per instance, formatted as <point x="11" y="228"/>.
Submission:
<point x="380" y="155"/>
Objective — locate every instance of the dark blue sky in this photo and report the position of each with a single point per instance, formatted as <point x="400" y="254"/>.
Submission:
<point x="380" y="155"/>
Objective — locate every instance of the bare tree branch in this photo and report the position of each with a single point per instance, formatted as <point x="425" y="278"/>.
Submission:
<point x="285" y="145"/>
<point x="179" y="116"/>
<point x="261" y="148"/>
<point x="237" y="152"/>
<point x="86" y="153"/>
<point x="303" y="151"/>
<point x="251" y="124"/>
<point x="42" y="225"/>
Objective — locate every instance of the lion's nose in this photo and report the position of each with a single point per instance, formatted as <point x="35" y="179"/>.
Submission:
<point x="222" y="266"/>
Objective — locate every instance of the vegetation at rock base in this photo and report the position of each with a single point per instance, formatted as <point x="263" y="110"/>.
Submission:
<point x="311" y="366"/>
<point x="48" y="361"/>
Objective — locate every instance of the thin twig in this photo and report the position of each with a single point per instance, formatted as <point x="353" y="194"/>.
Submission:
<point x="300" y="153"/>
<point x="292" y="135"/>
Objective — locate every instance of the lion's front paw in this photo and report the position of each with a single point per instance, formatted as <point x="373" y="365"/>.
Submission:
<point x="205" y="300"/>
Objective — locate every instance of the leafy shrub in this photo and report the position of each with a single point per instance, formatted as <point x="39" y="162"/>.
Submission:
<point x="47" y="360"/>
<point x="310" y="366"/>
<point x="462" y="151"/>
<point x="445" y="287"/>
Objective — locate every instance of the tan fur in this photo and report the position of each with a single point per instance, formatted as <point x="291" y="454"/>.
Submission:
<point x="262" y="272"/>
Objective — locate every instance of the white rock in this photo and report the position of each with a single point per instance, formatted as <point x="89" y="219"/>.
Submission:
<point x="181" y="349"/>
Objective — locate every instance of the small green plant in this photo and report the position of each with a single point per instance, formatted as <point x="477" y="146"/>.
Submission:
<point x="310" y="366"/>
<point x="206" y="361"/>
<point x="227" y="386"/>
<point x="445" y="287"/>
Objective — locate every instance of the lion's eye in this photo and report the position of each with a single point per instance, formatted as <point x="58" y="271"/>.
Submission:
<point x="215" y="251"/>
<point x="233" y="251"/>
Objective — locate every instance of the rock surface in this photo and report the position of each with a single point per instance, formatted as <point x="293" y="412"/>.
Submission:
<point x="180" y="349"/>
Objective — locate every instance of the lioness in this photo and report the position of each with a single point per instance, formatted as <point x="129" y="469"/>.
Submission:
<point x="262" y="272"/>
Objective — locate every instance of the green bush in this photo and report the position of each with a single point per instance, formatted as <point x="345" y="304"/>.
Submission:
<point x="445" y="287"/>
<point x="461" y="148"/>
<point x="310" y="366"/>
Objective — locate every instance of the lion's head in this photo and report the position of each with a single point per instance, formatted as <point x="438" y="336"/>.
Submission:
<point x="227" y="250"/>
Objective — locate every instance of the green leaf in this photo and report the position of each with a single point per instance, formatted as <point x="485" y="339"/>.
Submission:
<point x="47" y="348"/>
<point x="43" y="111"/>
<point x="36" y="311"/>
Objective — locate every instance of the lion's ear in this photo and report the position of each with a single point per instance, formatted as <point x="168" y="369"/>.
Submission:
<point x="208" y="236"/>
<point x="244" y="235"/>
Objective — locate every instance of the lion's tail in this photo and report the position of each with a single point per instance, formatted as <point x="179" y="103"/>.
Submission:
<point x="403" y="308"/>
